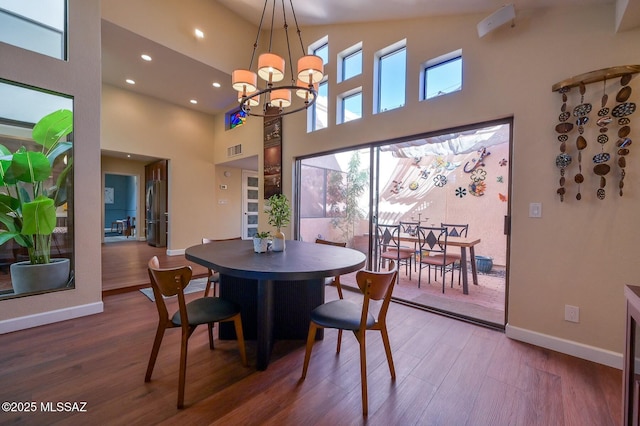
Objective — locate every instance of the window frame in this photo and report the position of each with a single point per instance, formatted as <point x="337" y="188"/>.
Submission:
<point x="435" y="63"/>
<point x="380" y="56"/>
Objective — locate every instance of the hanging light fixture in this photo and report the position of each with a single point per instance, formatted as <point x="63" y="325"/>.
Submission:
<point x="272" y="68"/>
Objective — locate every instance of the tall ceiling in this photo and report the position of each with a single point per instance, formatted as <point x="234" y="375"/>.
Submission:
<point x="191" y="79"/>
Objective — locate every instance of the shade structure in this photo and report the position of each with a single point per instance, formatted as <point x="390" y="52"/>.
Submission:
<point x="310" y="69"/>
<point x="281" y="98"/>
<point x="244" y="81"/>
<point x="271" y="67"/>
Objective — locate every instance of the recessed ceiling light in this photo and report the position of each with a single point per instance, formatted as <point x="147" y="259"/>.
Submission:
<point x="145" y="57"/>
<point x="193" y="101"/>
<point x="216" y="84"/>
<point x="199" y="33"/>
<point x="129" y="81"/>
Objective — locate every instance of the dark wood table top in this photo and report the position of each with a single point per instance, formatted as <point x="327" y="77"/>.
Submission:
<point x="300" y="260"/>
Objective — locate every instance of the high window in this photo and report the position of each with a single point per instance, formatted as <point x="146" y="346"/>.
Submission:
<point x="323" y="52"/>
<point x="350" y="106"/>
<point x="350" y="62"/>
<point x="36" y="25"/>
<point x="319" y="110"/>
<point x="391" y="77"/>
<point x="442" y="75"/>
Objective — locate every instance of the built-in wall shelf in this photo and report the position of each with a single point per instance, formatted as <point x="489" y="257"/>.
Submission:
<point x="595" y="76"/>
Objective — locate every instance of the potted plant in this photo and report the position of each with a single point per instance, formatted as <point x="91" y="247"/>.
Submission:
<point x="261" y="242"/>
<point x="28" y="206"/>
<point x="279" y="216"/>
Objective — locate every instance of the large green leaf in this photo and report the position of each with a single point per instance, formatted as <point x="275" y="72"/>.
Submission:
<point x="39" y="216"/>
<point x="8" y="203"/>
<point x="28" y="166"/>
<point x="52" y="127"/>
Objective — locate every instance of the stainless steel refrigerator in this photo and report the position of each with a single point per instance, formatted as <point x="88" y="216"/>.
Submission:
<point x="156" y="201"/>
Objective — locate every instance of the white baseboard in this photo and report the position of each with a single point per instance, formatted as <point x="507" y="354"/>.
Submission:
<point x="175" y="252"/>
<point x="35" y="320"/>
<point x="569" y="347"/>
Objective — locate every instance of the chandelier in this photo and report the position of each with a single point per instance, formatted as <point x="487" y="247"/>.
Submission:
<point x="271" y="69"/>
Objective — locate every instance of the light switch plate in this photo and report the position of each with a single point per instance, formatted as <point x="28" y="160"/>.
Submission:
<point x="535" y="209"/>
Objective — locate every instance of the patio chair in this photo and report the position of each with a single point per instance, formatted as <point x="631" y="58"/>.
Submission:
<point x="389" y="248"/>
<point x="433" y="252"/>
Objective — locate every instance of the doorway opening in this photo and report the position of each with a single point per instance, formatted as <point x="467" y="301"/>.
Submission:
<point x="120" y="207"/>
<point x="455" y="177"/>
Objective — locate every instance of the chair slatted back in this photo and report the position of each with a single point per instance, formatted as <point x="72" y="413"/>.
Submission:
<point x="432" y="239"/>
<point x="388" y="237"/>
<point x="456" y="230"/>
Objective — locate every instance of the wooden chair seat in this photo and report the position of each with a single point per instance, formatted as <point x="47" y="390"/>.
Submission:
<point x="205" y="310"/>
<point x="345" y="315"/>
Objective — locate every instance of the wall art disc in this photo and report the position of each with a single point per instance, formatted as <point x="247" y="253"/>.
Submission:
<point x="604" y="121"/>
<point x="564" y="127"/>
<point x="563" y="160"/>
<point x="623" y="94"/>
<point x="624" y="121"/>
<point x="602" y="139"/>
<point x="603" y="157"/>
<point x="582" y="109"/>
<point x="564" y="116"/>
<point x="622" y="143"/>
<point x="601" y="169"/>
<point x="624" y="109"/>
<point x="600" y="194"/>
<point x="563" y="138"/>
<point x="624" y="131"/>
<point x="603" y="111"/>
<point x="477" y="188"/>
<point x="413" y="186"/>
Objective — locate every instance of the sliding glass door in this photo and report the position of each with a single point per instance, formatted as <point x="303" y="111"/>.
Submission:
<point x="458" y="178"/>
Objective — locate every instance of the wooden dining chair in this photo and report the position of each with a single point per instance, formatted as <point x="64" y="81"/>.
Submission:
<point x="433" y="252"/>
<point x="205" y="310"/>
<point x="389" y="247"/>
<point x="333" y="280"/>
<point x="343" y="314"/>
<point x="213" y="277"/>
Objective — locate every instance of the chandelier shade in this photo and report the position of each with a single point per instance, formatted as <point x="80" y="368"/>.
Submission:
<point x="310" y="69"/>
<point x="273" y="69"/>
<point x="244" y="81"/>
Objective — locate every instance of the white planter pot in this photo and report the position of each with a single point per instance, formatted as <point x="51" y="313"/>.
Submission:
<point x="260" y="245"/>
<point x="28" y="278"/>
<point x="278" y="241"/>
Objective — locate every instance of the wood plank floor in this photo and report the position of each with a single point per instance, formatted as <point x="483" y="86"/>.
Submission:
<point x="448" y="373"/>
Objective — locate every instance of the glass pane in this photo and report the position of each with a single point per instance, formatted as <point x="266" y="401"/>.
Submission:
<point x="443" y="78"/>
<point x="252" y="219"/>
<point x="323" y="52"/>
<point x="36" y="25"/>
<point x="252" y="194"/>
<point x="392" y="82"/>
<point x="352" y="65"/>
<point x="352" y="107"/>
<point x="312" y="194"/>
<point x="253" y="181"/>
<point x="52" y="228"/>
<point x="251" y="232"/>
<point x="320" y="113"/>
<point x="252" y="207"/>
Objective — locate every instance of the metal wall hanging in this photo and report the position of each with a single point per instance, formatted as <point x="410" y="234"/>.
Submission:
<point x="596" y="130"/>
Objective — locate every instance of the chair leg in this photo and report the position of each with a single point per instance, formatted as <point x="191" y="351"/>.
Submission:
<point x="387" y="349"/>
<point x="154" y="351"/>
<point x="339" y="341"/>
<point x="183" y="367"/>
<point x="210" y="330"/>
<point x="237" y="322"/>
<point x="307" y="355"/>
<point x="336" y="280"/>
<point x="363" y="372"/>
<point x="206" y="289"/>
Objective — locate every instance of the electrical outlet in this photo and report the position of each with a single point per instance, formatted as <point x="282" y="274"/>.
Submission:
<point x="571" y="313"/>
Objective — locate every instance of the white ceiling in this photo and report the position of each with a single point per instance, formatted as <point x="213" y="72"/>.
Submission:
<point x="176" y="78"/>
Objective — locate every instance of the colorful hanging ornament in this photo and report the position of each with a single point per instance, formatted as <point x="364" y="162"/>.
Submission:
<point x="600" y="160"/>
<point x="621" y="112"/>
<point x="563" y="128"/>
<point x="581" y="113"/>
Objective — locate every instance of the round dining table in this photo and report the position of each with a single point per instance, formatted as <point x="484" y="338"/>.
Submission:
<point x="276" y="290"/>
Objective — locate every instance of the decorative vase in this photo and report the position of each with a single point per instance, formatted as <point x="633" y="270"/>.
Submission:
<point x="484" y="264"/>
<point x="260" y="245"/>
<point x="28" y="278"/>
<point x="278" y="241"/>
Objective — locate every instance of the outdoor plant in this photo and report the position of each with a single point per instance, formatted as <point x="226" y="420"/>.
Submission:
<point x="27" y="205"/>
<point x="279" y="211"/>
